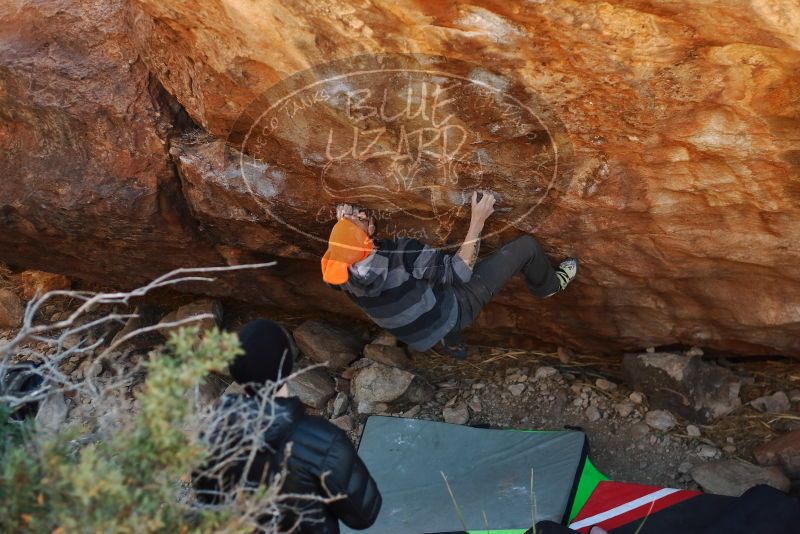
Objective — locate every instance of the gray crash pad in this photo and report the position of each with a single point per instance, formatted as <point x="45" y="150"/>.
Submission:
<point x="488" y="470"/>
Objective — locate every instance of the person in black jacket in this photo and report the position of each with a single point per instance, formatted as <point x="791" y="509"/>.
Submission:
<point x="321" y="462"/>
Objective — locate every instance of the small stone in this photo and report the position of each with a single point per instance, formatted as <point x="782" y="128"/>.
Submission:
<point x="516" y="389"/>
<point x="545" y="372"/>
<point x="344" y="422"/>
<point x="660" y="420"/>
<point x="592" y="414"/>
<point x="387" y="355"/>
<point x="385" y="338"/>
<point x="775" y="403"/>
<point x="734" y="477"/>
<point x="475" y="404"/>
<point x="692" y="431"/>
<point x="564" y="355"/>
<point x="458" y="414"/>
<point x="707" y="451"/>
<point x="413" y="411"/>
<point x="11" y="309"/>
<point x="371" y="407"/>
<point x="605" y="385"/>
<point x="794" y="395"/>
<point x="340" y="404"/>
<point x="694" y="352"/>
<point x="624" y="409"/>
<point x="650" y="350"/>
<point x="639" y="429"/>
<point x="314" y="387"/>
<point x="636" y="397"/>
<point x="685" y="468"/>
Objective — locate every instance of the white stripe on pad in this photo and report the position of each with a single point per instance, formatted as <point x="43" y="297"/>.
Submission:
<point x="623" y="508"/>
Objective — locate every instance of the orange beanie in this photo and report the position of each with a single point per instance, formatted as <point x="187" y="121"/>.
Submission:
<point x="347" y="245"/>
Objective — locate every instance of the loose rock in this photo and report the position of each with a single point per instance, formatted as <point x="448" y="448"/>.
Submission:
<point x="775" y="403"/>
<point x="734" y="477"/>
<point x="605" y="385"/>
<point x="545" y="372"/>
<point x="516" y="389"/>
<point x="660" y="420"/>
<point x="475" y="404"/>
<point x="624" y="409"/>
<point x="340" y="404"/>
<point x="196" y="308"/>
<point x="685" y="385"/>
<point x="52" y="413"/>
<point x="325" y="343"/>
<point x="344" y="422"/>
<point x="692" y="431"/>
<point x="458" y="414"/>
<point x="382" y="383"/>
<point x="592" y="414"/>
<point x="387" y="355"/>
<point x="11" y="309"/>
<point x="783" y="451"/>
<point x="40" y="282"/>
<point x="636" y="397"/>
<point x="385" y="338"/>
<point x="707" y="451"/>
<point x="314" y="387"/>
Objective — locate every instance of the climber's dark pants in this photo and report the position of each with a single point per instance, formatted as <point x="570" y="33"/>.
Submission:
<point x="490" y="275"/>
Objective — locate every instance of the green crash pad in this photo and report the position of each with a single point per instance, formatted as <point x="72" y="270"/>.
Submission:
<point x="488" y="471"/>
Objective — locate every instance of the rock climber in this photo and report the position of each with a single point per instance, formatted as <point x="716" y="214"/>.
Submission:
<point x="322" y="467"/>
<point x="420" y="294"/>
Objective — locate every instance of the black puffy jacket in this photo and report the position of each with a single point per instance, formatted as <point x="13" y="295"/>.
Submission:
<point x="317" y="448"/>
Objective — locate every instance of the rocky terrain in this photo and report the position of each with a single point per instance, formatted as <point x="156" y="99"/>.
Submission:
<point x="649" y="416"/>
<point x="668" y="130"/>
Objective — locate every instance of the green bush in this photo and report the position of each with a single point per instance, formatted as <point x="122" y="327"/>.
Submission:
<point x="131" y="482"/>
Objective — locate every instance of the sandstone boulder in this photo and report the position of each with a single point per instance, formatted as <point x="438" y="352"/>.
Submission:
<point x="674" y="129"/>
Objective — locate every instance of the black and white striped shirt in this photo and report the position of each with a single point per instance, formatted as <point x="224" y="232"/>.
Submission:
<point x="406" y="288"/>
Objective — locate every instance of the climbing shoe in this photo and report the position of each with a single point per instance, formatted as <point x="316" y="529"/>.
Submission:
<point x="565" y="272"/>
<point x="457" y="351"/>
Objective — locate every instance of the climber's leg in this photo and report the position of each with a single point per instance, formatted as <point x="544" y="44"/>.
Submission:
<point x="490" y="275"/>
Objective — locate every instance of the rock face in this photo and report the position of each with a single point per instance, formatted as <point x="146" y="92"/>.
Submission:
<point x="657" y="142"/>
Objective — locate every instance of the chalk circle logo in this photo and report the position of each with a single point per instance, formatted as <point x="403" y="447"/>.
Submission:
<point x="407" y="136"/>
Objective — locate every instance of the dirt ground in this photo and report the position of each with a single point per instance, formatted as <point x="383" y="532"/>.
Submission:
<point x="503" y="388"/>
